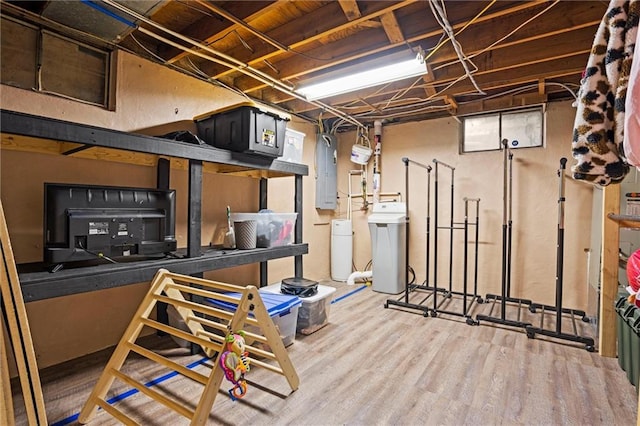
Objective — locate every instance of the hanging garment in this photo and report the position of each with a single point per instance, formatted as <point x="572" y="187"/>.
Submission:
<point x="632" y="113"/>
<point x="599" y="124"/>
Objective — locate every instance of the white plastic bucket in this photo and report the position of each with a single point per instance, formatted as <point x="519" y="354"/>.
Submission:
<point x="360" y="154"/>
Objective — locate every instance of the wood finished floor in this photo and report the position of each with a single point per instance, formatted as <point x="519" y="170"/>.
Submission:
<point x="377" y="366"/>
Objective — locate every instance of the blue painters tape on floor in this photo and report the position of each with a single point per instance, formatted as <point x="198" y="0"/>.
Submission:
<point x="167" y="376"/>
<point x="130" y="392"/>
<point x="351" y="293"/>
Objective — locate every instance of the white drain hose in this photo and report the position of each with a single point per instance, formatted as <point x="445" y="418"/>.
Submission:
<point x="359" y="275"/>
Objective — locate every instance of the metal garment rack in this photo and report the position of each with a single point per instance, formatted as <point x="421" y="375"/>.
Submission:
<point x="465" y="272"/>
<point x="507" y="227"/>
<point x="448" y="293"/>
<point x="558" y="309"/>
<point x="412" y="287"/>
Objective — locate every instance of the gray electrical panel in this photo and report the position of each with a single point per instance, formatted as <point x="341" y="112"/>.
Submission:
<point x="326" y="172"/>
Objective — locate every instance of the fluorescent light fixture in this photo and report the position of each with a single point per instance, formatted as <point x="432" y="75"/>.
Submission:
<point x="363" y="79"/>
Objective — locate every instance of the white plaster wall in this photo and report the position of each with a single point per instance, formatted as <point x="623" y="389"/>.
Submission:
<point x="480" y="175"/>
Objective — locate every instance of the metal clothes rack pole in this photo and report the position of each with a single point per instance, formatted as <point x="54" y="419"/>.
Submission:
<point x="436" y="227"/>
<point x="475" y="262"/>
<point x="558" y="309"/>
<point x="452" y="226"/>
<point x="408" y="287"/>
<point x="507" y="228"/>
<point x="466" y="308"/>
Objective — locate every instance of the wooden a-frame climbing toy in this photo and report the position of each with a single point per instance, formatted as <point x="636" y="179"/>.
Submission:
<point x="207" y="330"/>
<point x="19" y="335"/>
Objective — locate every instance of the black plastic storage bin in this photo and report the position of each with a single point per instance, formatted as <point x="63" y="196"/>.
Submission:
<point x="633" y="323"/>
<point x="628" y="333"/>
<point x="246" y="127"/>
<point x="621" y="330"/>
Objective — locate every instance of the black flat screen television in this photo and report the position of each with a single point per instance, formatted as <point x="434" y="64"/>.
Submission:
<point x="85" y="222"/>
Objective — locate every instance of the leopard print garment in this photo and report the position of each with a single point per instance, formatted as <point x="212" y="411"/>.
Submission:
<point x="599" y="125"/>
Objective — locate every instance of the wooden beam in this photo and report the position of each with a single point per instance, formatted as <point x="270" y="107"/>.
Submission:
<point x="328" y="34"/>
<point x="209" y="29"/>
<point x="295" y="67"/>
<point x="609" y="272"/>
<point x="429" y="78"/>
<point x="528" y="53"/>
<point x="350" y="9"/>
<point x="19" y="332"/>
<point x="550" y="26"/>
<point x="392" y="28"/>
<point x="242" y="24"/>
<point x="451" y="101"/>
<point x="501" y="103"/>
<point x="7" y="416"/>
<point x="541" y="87"/>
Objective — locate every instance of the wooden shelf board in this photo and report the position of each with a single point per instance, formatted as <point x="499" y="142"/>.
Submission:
<point x="625" y="220"/>
<point x="30" y="133"/>
<point x="42" y="284"/>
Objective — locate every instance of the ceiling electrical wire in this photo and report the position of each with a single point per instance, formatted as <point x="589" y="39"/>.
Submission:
<point x="473" y="55"/>
<point x="413" y="111"/>
<point x="199" y="73"/>
<point x="401" y="93"/>
<point x="155" y="56"/>
<point x="426" y="107"/>
<point x="524" y="89"/>
<point x="440" y="15"/>
<point x="515" y="29"/>
<point x="432" y="51"/>
<point x="226" y="60"/>
<point x="442" y="42"/>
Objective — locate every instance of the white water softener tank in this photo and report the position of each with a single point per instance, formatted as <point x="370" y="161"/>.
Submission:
<point x="341" y="249"/>
<point x="388" y="228"/>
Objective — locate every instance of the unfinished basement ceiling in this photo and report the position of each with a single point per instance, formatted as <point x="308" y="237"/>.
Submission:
<point x="516" y="53"/>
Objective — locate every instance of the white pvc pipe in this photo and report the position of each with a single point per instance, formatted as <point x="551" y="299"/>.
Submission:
<point x="359" y="275"/>
<point x="377" y="169"/>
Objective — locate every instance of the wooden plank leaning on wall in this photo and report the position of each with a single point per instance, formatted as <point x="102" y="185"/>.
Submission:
<point x="19" y="332"/>
<point x="609" y="271"/>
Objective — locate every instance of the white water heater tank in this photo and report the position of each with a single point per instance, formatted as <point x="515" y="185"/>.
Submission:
<point x="341" y="249"/>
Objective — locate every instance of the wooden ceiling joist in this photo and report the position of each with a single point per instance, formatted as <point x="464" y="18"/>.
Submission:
<point x="392" y="28"/>
<point x="297" y="68"/>
<point x="350" y="9"/>
<point x="519" y="47"/>
<point x="299" y="45"/>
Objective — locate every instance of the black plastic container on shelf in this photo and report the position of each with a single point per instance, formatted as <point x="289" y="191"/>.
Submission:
<point x="247" y="127"/>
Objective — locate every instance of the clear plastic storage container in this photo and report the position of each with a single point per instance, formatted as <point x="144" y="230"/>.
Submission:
<point x="314" y="311"/>
<point x="273" y="229"/>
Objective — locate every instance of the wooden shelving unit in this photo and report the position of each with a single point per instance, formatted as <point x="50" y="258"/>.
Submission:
<point x="611" y="225"/>
<point x="25" y="132"/>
